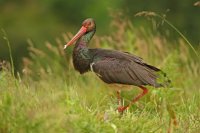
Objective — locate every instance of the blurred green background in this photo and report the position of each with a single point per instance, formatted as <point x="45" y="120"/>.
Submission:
<point x="44" y="20"/>
<point x="50" y="96"/>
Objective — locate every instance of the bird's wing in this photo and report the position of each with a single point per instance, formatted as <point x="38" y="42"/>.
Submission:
<point x="123" y="68"/>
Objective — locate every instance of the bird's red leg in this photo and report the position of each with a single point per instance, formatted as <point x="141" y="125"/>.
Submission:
<point x="145" y="91"/>
<point x="120" y="107"/>
<point x="119" y="97"/>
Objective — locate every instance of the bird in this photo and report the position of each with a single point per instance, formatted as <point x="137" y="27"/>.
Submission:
<point x="112" y="66"/>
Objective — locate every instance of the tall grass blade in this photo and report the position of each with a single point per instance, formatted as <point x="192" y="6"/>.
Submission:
<point x="153" y="14"/>
<point x="5" y="37"/>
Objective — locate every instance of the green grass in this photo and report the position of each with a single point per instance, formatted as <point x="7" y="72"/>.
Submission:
<point x="51" y="97"/>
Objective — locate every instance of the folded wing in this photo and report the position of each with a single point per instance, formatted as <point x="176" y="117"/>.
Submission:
<point x="123" y="68"/>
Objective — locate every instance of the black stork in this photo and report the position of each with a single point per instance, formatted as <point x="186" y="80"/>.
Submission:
<point x="113" y="67"/>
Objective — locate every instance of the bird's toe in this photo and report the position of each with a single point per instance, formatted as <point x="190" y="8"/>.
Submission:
<point x="122" y="108"/>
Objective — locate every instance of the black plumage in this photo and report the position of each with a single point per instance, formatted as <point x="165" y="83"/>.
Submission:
<point x="113" y="67"/>
<point x="123" y="68"/>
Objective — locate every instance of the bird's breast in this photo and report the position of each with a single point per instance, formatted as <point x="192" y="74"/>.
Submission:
<point x="81" y="62"/>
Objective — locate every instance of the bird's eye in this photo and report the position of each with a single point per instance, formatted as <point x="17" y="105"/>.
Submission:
<point x="89" y="23"/>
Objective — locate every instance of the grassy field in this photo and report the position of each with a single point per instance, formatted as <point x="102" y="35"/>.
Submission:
<point x="51" y="97"/>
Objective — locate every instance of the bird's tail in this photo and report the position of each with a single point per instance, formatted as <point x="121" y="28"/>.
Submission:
<point x="163" y="80"/>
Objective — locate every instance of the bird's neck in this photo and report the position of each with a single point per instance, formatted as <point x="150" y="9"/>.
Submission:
<point x="81" y="54"/>
<point x="84" y="40"/>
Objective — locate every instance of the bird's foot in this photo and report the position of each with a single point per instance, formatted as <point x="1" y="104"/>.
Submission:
<point x="122" y="108"/>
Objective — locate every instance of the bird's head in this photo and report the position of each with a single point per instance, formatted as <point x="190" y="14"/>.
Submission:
<point x="87" y="26"/>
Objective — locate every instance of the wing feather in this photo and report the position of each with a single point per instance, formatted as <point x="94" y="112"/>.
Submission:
<point x="123" y="68"/>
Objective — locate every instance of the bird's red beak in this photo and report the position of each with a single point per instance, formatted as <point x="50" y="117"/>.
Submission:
<point x="81" y="32"/>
